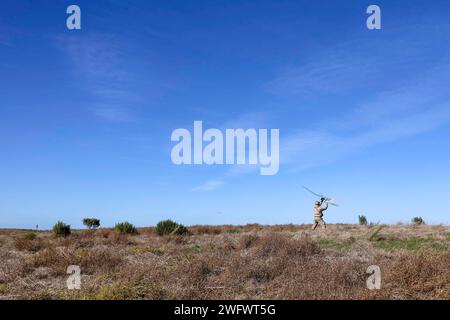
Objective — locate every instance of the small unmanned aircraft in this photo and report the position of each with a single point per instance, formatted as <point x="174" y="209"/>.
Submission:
<point x="322" y="197"/>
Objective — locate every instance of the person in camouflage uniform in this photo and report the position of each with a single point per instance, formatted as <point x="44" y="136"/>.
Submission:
<point x="318" y="214"/>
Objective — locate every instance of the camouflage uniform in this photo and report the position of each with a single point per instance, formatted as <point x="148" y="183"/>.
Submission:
<point x="318" y="214"/>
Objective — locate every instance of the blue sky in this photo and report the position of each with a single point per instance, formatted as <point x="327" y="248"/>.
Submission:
<point x="86" y="115"/>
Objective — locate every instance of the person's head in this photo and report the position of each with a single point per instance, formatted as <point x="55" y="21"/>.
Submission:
<point x="317" y="203"/>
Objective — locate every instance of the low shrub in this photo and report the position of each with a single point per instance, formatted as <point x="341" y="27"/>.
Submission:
<point x="362" y="220"/>
<point x="61" y="229"/>
<point x="417" y="221"/>
<point x="170" y="227"/>
<point x="125" y="227"/>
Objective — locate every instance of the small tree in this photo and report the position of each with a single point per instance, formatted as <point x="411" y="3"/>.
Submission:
<point x="125" y="227"/>
<point x="362" y="220"/>
<point x="61" y="229"/>
<point x="91" y="223"/>
<point x="170" y="227"/>
<point x="418" y="221"/>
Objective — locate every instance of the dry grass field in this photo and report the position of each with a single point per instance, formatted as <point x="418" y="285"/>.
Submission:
<point x="230" y="262"/>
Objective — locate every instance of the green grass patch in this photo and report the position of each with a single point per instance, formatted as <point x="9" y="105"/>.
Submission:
<point x="391" y="243"/>
<point x="334" y="244"/>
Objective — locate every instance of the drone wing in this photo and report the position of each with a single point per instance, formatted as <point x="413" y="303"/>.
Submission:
<point x="332" y="203"/>
<point x="317" y="195"/>
<point x="326" y="199"/>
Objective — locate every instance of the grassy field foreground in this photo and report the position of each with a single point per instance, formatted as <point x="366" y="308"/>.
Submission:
<point x="230" y="262"/>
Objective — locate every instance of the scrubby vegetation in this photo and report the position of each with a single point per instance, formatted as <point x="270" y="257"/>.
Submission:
<point x="61" y="229"/>
<point x="125" y="227"/>
<point x="417" y="221"/>
<point x="170" y="227"/>
<point x="91" y="223"/>
<point x="362" y="220"/>
<point x="251" y="262"/>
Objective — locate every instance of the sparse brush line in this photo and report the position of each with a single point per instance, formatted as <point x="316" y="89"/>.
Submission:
<point x="257" y="262"/>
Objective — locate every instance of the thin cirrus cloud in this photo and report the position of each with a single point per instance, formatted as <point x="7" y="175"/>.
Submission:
<point x="391" y="116"/>
<point x="210" y="185"/>
<point x="332" y="71"/>
<point x="232" y="171"/>
<point x="306" y="149"/>
<point x="99" y="61"/>
<point x="113" y="113"/>
<point x="409" y="104"/>
<point x="352" y="64"/>
<point x="405" y="82"/>
<point x="383" y="120"/>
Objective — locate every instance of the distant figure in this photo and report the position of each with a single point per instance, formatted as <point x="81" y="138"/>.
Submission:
<point x="318" y="214"/>
<point x="37" y="227"/>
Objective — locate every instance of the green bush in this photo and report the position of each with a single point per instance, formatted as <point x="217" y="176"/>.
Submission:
<point x="125" y="227"/>
<point x="418" y="221"/>
<point x="362" y="220"/>
<point x="91" y="223"/>
<point x="61" y="229"/>
<point x="170" y="227"/>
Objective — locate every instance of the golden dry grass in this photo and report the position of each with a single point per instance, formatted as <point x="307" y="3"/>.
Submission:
<point x="229" y="262"/>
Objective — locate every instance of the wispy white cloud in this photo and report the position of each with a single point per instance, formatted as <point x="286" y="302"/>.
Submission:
<point x="352" y="64"/>
<point x="412" y="100"/>
<point x="113" y="113"/>
<point x="99" y="61"/>
<point x="391" y="116"/>
<point x="415" y="103"/>
<point x="210" y="185"/>
<point x="332" y="70"/>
